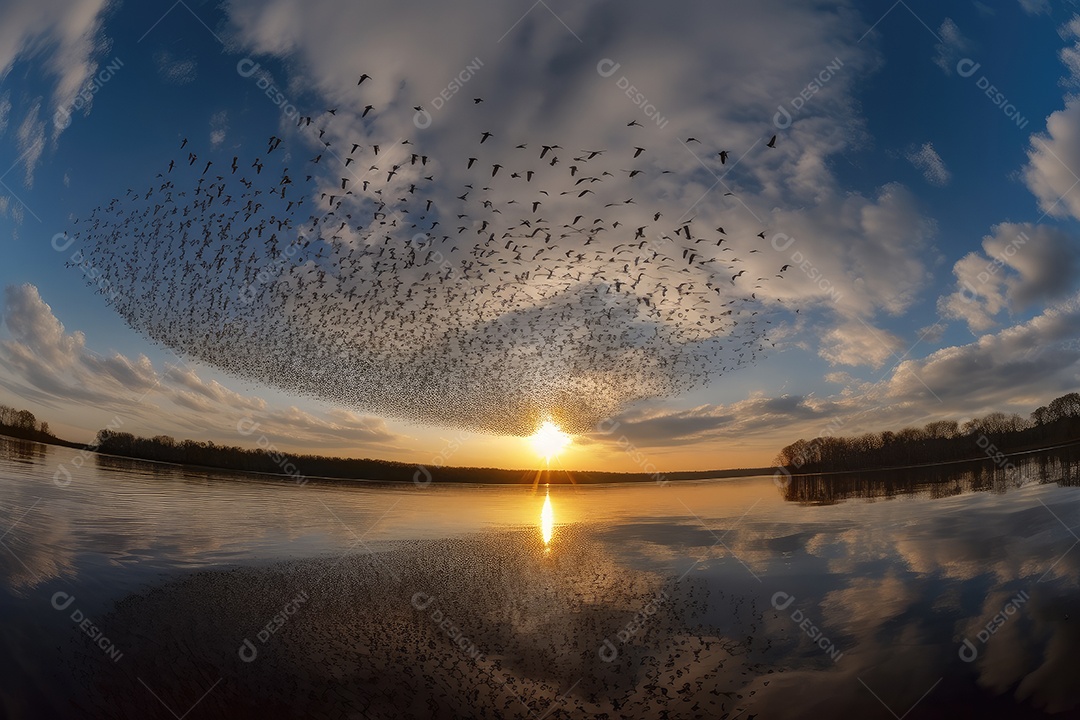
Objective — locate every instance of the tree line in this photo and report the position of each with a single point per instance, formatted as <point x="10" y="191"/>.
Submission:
<point x="300" y="468"/>
<point x="24" y="424"/>
<point x="1056" y="423"/>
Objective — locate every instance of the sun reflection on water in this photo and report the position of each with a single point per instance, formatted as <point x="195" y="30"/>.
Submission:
<point x="547" y="520"/>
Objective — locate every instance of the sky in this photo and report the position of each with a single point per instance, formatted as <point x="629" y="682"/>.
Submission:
<point x="922" y="190"/>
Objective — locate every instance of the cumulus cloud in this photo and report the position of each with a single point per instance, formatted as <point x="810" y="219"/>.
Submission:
<point x="1021" y="264"/>
<point x="1013" y="370"/>
<point x="46" y="363"/>
<point x="863" y="251"/>
<point x="1028" y="361"/>
<point x="933" y="168"/>
<point x="1052" y="155"/>
<point x="758" y="415"/>
<point x="857" y="343"/>
<point x="1053" y="166"/>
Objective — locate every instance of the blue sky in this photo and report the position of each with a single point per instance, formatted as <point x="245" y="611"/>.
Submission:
<point x="900" y="180"/>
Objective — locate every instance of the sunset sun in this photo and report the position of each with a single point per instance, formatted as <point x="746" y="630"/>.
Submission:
<point x="548" y="440"/>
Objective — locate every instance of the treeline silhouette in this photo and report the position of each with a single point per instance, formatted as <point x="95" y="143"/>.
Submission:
<point x="301" y="468"/>
<point x="942" y="441"/>
<point x="24" y="425"/>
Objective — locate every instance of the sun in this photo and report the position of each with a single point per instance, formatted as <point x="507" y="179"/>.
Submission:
<point x="548" y="440"/>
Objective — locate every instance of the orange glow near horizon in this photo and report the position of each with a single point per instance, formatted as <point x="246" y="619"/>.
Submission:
<point x="548" y="441"/>
<point x="547" y="520"/>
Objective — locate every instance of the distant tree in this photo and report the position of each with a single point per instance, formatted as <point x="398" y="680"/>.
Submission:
<point x="1065" y="406"/>
<point x="942" y="430"/>
<point x="25" y="420"/>
<point x="942" y="440"/>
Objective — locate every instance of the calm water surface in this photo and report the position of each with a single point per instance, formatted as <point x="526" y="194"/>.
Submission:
<point x="136" y="590"/>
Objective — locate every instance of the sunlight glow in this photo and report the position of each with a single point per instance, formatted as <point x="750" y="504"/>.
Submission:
<point x="548" y="440"/>
<point x="547" y="520"/>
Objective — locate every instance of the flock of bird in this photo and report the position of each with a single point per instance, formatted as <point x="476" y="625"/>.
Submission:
<point x="487" y="287"/>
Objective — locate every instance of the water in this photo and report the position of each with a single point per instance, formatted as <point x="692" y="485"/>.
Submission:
<point x="226" y="595"/>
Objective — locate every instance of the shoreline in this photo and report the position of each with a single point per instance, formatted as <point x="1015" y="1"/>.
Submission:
<point x="533" y="476"/>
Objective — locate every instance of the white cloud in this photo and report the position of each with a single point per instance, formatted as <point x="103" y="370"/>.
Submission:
<point x="926" y="158"/>
<point x="952" y="47"/>
<point x="49" y="365"/>
<point x="31" y="322"/>
<point x="864" y="249"/>
<point x="1021" y="264"/>
<point x="5" y="111"/>
<point x="219" y="127"/>
<point x="1022" y="363"/>
<point x="1036" y="7"/>
<point x="1013" y="370"/>
<point x="178" y="71"/>
<point x="1054" y="155"/>
<point x="31" y="140"/>
<point x="65" y="37"/>
<point x="857" y="343"/>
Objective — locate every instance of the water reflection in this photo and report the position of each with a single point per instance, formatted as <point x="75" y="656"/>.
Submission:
<point x="23" y="451"/>
<point x="1059" y="467"/>
<point x="547" y="520"/>
<point x="654" y="588"/>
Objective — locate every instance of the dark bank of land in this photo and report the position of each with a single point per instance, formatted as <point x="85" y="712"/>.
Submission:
<point x="302" y="468"/>
<point x="990" y="438"/>
<point x="23" y="425"/>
